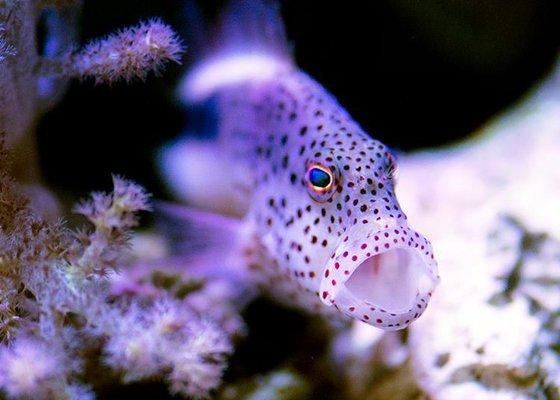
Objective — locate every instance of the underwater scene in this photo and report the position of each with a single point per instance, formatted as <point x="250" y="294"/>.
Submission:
<point x="279" y="200"/>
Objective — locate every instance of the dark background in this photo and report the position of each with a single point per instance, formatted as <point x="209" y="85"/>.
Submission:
<point x="415" y="74"/>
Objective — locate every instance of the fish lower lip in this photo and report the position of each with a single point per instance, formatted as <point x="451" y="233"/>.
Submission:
<point x="391" y="272"/>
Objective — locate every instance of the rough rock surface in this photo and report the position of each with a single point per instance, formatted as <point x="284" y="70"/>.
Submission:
<point x="491" y="206"/>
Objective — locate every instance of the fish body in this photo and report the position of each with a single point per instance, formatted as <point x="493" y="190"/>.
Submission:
<point x="323" y="227"/>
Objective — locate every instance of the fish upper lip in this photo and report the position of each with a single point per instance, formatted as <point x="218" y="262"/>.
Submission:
<point x="361" y="245"/>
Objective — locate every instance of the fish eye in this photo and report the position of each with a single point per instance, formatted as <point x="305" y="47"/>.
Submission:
<point x="320" y="181"/>
<point x="320" y="178"/>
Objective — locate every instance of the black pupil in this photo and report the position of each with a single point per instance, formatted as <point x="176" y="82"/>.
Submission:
<point x="319" y="178"/>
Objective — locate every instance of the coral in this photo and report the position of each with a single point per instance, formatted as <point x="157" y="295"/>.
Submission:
<point x="280" y="384"/>
<point x="33" y="81"/>
<point x="130" y="53"/>
<point x="493" y="325"/>
<point x="147" y="342"/>
<point x="6" y="50"/>
<point x="58" y="306"/>
<point x="30" y="368"/>
<point x="216" y="298"/>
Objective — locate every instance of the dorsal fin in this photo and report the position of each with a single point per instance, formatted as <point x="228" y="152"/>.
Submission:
<point x="248" y="43"/>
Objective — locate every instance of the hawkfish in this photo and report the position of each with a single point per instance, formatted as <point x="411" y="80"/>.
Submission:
<point x="306" y="197"/>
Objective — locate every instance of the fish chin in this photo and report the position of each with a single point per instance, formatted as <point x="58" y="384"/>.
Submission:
<point x="384" y="278"/>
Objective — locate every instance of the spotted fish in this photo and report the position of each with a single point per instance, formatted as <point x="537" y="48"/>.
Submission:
<point x="320" y="226"/>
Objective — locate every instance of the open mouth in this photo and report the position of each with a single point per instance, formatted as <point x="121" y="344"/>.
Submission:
<point x="390" y="280"/>
<point x="385" y="278"/>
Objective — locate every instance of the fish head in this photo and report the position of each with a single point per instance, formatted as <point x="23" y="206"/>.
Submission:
<point x="376" y="267"/>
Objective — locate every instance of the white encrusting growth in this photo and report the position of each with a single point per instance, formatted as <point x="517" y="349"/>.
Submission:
<point x="490" y="205"/>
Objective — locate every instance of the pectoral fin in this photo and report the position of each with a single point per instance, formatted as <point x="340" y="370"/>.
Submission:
<point x="211" y="243"/>
<point x="199" y="174"/>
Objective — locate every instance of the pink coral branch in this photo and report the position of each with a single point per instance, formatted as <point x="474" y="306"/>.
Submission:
<point x="131" y="53"/>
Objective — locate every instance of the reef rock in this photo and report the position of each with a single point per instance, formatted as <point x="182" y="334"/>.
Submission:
<point x="491" y="206"/>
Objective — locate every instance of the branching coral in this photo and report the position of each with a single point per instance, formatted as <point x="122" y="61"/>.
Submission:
<point x="6" y="50"/>
<point x="33" y="75"/>
<point x="128" y="54"/>
<point x="29" y="368"/>
<point x="57" y="305"/>
<point x="148" y="342"/>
